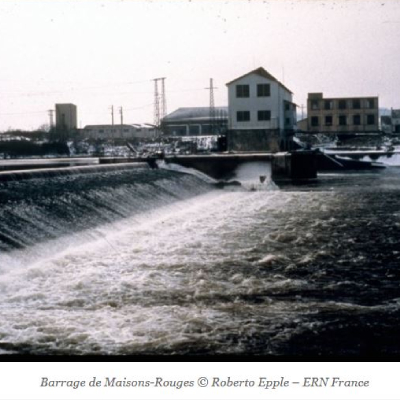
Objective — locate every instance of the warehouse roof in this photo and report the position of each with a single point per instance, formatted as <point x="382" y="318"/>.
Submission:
<point x="395" y="113"/>
<point x="110" y="126"/>
<point x="195" y="113"/>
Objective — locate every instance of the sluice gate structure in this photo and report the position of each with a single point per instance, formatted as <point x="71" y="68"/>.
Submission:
<point x="218" y="165"/>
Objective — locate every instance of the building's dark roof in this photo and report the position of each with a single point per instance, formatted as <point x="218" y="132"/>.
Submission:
<point x="261" y="72"/>
<point x="291" y="102"/>
<point x="109" y="126"/>
<point x="195" y="113"/>
<point x="340" y="98"/>
<point x="65" y="104"/>
<point x="385" y="119"/>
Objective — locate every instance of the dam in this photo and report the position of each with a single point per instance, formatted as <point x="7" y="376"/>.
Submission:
<point x="135" y="261"/>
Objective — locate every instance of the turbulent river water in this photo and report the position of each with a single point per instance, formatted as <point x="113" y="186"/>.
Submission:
<point x="159" y="262"/>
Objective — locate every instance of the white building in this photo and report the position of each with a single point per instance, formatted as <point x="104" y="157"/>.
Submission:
<point x="260" y="107"/>
<point x="257" y="100"/>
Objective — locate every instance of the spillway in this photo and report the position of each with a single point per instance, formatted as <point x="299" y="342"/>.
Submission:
<point x="159" y="262"/>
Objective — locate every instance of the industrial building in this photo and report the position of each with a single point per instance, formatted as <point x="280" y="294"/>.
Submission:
<point x="66" y="117"/>
<point x="391" y="123"/>
<point x="262" y="115"/>
<point x="342" y="115"/>
<point x="395" y="121"/>
<point x="386" y="124"/>
<point x="196" y="121"/>
<point x="118" y="132"/>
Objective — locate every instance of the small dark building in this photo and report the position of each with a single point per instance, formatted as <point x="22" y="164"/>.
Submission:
<point x="396" y="121"/>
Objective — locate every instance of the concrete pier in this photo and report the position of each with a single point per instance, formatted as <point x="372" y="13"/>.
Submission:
<point x="295" y="166"/>
<point x="217" y="165"/>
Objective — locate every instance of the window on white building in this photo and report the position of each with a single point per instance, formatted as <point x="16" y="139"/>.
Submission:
<point x="314" y="121"/>
<point x="264" y="115"/>
<point x="243" y="116"/>
<point x="242" y="91"/>
<point x="356" y="119"/>
<point x="263" y="90"/>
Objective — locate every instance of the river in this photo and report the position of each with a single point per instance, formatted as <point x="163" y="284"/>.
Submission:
<point x="160" y="262"/>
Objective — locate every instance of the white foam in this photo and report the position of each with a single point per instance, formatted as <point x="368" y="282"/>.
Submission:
<point x="184" y="170"/>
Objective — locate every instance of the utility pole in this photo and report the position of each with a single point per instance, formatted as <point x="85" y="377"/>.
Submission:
<point x="302" y="111"/>
<point x="51" y="114"/>
<point x="121" y="113"/>
<point x="51" y="132"/>
<point x="112" y="115"/>
<point x="112" y="130"/>
<point x="212" y="107"/>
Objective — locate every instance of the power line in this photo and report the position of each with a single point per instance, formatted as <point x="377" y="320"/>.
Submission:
<point x="125" y="109"/>
<point x="26" y="112"/>
<point x="50" y="93"/>
<point x="29" y="93"/>
<point x="48" y="111"/>
<point x="70" y="89"/>
<point x="140" y="107"/>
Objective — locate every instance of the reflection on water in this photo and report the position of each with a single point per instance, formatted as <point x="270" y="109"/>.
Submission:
<point x="296" y="271"/>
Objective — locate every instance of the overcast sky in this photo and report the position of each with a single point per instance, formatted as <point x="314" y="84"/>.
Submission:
<point x="95" y="53"/>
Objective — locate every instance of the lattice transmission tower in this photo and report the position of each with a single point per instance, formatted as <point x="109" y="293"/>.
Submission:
<point x="160" y="101"/>
<point x="212" y="112"/>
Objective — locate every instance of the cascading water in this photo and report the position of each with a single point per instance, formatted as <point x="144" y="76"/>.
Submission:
<point x="255" y="176"/>
<point x="48" y="205"/>
<point x="159" y="262"/>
